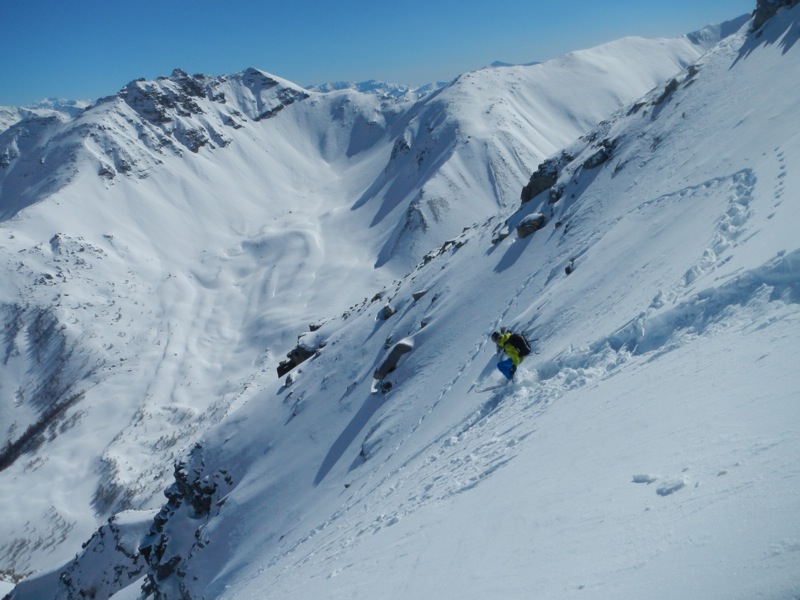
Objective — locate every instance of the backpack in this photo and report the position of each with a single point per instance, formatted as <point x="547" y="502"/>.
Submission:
<point x="520" y="343"/>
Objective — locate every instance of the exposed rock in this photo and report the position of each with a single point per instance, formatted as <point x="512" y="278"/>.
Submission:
<point x="530" y="224"/>
<point x="106" y="171"/>
<point x="304" y="350"/>
<point x="286" y="97"/>
<point x="389" y="363"/>
<point x="668" y="91"/>
<point x="386" y="312"/>
<point x="545" y="176"/>
<point x="766" y="9"/>
<point x="448" y="245"/>
<point x="500" y="234"/>
<point x="602" y="155"/>
<point x="194" y="139"/>
<point x="159" y="103"/>
<point x="195" y="494"/>
<point x="107" y="563"/>
<point x="400" y="147"/>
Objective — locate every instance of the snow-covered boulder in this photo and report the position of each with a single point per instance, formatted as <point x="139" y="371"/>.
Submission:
<point x="530" y="224"/>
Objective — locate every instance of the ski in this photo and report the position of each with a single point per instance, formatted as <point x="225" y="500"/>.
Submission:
<point x="492" y="387"/>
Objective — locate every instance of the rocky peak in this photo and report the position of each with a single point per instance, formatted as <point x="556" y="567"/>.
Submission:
<point x="162" y="100"/>
<point x="257" y="80"/>
<point x="281" y="94"/>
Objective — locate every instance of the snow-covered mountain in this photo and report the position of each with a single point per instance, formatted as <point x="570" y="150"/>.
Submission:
<point x="181" y="234"/>
<point x="380" y="88"/>
<point x="51" y="107"/>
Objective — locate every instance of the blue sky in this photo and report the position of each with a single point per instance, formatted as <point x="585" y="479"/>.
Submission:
<point x="91" y="48"/>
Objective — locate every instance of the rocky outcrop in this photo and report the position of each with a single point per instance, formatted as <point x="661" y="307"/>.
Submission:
<point x="134" y="545"/>
<point x="530" y="224"/>
<point x="545" y="176"/>
<point x="391" y="360"/>
<point x="448" y="245"/>
<point x="602" y="155"/>
<point x="181" y="95"/>
<point x="108" y="562"/>
<point x="159" y="102"/>
<point x="82" y="579"/>
<point x="166" y="549"/>
<point x="307" y="346"/>
<point x="285" y="97"/>
<point x="766" y="9"/>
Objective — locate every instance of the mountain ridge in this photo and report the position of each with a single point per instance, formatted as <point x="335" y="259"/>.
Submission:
<point x="384" y="451"/>
<point x="420" y="459"/>
<point x="132" y="235"/>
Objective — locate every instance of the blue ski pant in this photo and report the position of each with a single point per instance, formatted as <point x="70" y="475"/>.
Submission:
<point x="507" y="368"/>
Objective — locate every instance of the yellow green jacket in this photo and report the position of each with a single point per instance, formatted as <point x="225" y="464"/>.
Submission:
<point x="509" y="349"/>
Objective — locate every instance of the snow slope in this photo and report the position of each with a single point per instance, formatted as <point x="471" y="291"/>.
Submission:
<point x="649" y="450"/>
<point x="52" y="107"/>
<point x="177" y="238"/>
<point x="380" y="88"/>
<point x="488" y="127"/>
<point x="632" y="457"/>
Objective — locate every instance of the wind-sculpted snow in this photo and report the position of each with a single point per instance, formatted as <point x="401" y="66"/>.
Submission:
<point x="739" y="303"/>
<point x="493" y="435"/>
<point x="474" y="139"/>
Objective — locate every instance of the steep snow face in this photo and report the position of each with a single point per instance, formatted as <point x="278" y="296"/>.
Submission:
<point x="184" y="279"/>
<point x="133" y="132"/>
<point x="181" y="234"/>
<point x="633" y="455"/>
<point x="52" y="107"/>
<point x="163" y="204"/>
<point x="463" y="150"/>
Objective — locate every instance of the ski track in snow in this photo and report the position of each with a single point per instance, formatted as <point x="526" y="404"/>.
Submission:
<point x="732" y="223"/>
<point x="780" y="180"/>
<point x="489" y="438"/>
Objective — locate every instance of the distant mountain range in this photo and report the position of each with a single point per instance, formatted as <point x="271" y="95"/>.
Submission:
<point x="393" y="90"/>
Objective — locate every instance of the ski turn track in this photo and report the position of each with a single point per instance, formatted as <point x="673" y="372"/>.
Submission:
<point x="492" y="436"/>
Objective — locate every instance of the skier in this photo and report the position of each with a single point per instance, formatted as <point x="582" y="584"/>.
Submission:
<point x="515" y="347"/>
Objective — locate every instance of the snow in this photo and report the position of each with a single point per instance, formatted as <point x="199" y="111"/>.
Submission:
<point x="380" y="88"/>
<point x="647" y="449"/>
<point x="51" y="107"/>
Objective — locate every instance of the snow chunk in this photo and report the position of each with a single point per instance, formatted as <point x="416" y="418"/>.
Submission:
<point x="671" y="486"/>
<point x="643" y="478"/>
